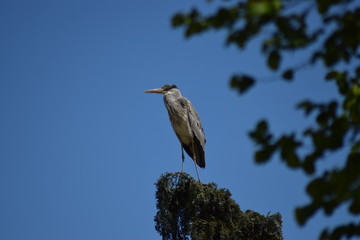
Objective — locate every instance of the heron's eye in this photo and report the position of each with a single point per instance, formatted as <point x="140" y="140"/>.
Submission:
<point x="166" y="87"/>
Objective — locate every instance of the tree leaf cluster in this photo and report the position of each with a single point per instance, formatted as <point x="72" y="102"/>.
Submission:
<point x="283" y="29"/>
<point x="284" y="26"/>
<point x="191" y="210"/>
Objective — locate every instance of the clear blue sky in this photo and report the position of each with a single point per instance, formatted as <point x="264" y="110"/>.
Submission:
<point x="82" y="145"/>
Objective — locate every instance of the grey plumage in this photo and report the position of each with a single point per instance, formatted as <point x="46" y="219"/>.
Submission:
<point x="185" y="122"/>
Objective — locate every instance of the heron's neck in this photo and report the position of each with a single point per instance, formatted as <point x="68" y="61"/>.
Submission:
<point x="173" y="94"/>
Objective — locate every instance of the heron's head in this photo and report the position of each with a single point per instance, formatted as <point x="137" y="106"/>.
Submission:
<point x="163" y="90"/>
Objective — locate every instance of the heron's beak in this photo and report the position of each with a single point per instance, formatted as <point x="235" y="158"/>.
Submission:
<point x="157" y="90"/>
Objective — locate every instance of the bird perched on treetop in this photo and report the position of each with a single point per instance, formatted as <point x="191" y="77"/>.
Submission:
<point x="186" y="124"/>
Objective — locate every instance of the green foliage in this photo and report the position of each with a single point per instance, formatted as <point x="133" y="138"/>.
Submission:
<point x="189" y="209"/>
<point x="334" y="43"/>
<point x="340" y="232"/>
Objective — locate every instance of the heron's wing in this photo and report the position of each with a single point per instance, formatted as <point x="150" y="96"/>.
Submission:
<point x="194" y="120"/>
<point x="196" y="128"/>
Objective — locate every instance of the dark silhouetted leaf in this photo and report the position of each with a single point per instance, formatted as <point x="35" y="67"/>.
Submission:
<point x="242" y="83"/>
<point x="288" y="146"/>
<point x="264" y="154"/>
<point x="261" y="134"/>
<point x="302" y="214"/>
<point x="274" y="60"/>
<point x="178" y="20"/>
<point x="307" y="106"/>
<point x="341" y="232"/>
<point x="309" y="163"/>
<point x="288" y="75"/>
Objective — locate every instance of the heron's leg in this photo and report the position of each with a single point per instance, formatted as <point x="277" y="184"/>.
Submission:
<point x="183" y="159"/>
<point x="197" y="171"/>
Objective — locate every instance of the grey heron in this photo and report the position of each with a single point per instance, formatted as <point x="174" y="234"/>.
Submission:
<point x="186" y="124"/>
